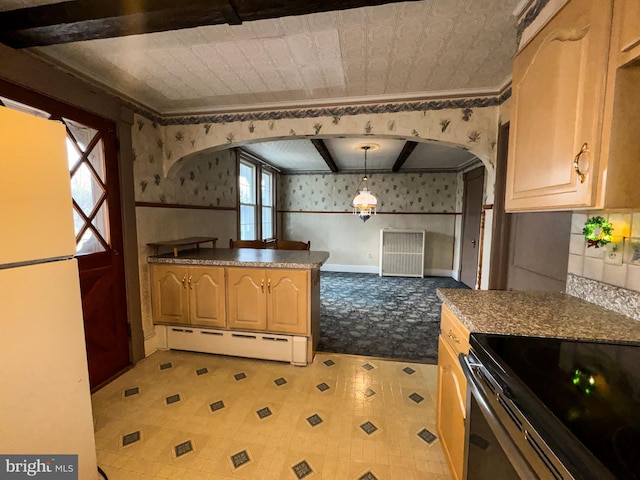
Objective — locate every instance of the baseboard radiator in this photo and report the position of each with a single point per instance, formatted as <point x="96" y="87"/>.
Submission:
<point x="284" y="348"/>
<point x="401" y="252"/>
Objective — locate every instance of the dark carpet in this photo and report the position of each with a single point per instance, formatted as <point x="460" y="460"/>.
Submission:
<point x="389" y="317"/>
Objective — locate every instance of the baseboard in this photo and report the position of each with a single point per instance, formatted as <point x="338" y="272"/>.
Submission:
<point x="439" y="272"/>
<point x="435" y="272"/>
<point x="156" y="341"/>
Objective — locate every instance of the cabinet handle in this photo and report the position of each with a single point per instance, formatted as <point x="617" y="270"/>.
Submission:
<point x="576" y="161"/>
<point x="184" y="279"/>
<point x="269" y="285"/>
<point x="262" y="285"/>
<point x="190" y="286"/>
<point x="453" y="337"/>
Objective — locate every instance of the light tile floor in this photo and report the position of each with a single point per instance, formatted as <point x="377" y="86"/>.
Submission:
<point x="184" y="415"/>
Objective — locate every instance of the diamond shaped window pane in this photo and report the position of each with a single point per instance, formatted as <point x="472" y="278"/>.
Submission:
<point x="100" y="222"/>
<point x="85" y="189"/>
<point x="89" y="244"/>
<point x="96" y="159"/>
<point x="73" y="155"/>
<point x="78" y="222"/>
<point x="81" y="133"/>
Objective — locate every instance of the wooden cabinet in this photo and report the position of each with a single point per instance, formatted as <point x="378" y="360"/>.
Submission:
<point x="626" y="36"/>
<point x="452" y="390"/>
<point x="188" y="295"/>
<point x="269" y="300"/>
<point x="558" y="100"/>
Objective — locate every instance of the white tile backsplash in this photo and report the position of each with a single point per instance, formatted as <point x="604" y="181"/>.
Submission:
<point x="615" y="275"/>
<point x="590" y="262"/>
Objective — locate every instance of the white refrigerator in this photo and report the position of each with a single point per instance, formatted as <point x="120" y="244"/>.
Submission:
<point x="45" y="405"/>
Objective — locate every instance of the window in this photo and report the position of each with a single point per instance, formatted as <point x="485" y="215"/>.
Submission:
<point x="267" y="205"/>
<point x="247" y="187"/>
<point x="257" y="207"/>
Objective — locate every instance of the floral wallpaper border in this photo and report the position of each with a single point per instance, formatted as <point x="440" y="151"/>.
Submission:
<point x="529" y="18"/>
<point x="336" y="112"/>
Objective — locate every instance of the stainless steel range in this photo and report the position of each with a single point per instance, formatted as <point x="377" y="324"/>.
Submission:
<point x="545" y="408"/>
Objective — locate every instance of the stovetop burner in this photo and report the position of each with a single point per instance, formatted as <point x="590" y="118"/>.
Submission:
<point x="592" y="388"/>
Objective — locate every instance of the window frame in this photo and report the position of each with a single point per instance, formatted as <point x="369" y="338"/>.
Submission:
<point x="260" y="167"/>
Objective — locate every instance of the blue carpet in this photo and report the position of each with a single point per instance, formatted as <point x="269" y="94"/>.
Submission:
<point x="389" y="317"/>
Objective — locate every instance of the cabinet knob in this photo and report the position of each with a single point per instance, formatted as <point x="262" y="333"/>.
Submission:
<point x="190" y="286"/>
<point x="269" y="285"/>
<point x="576" y="161"/>
<point x="262" y="285"/>
<point x="184" y="279"/>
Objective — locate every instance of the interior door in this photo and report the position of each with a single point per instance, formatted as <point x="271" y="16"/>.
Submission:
<point x="471" y="218"/>
<point x="95" y="189"/>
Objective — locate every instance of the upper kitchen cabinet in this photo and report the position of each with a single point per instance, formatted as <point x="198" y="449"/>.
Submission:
<point x="569" y="146"/>
<point x="626" y="38"/>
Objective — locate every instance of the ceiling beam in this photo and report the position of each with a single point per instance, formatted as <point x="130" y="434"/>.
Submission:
<point x="324" y="153"/>
<point x="79" y="20"/>
<point x="404" y="154"/>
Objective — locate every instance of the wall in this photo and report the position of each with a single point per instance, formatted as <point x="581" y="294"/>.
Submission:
<point x="197" y="197"/>
<point x="312" y="203"/>
<point x="592" y="278"/>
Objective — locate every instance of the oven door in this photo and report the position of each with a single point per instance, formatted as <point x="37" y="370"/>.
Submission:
<point x="500" y="443"/>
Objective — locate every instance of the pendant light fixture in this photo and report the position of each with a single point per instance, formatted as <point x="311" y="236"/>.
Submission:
<point x="364" y="204"/>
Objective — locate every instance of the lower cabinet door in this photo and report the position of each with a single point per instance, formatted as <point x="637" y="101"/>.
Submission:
<point x="170" y="294"/>
<point x="246" y="301"/>
<point x="288" y="301"/>
<point x="452" y="394"/>
<point x="207" y="302"/>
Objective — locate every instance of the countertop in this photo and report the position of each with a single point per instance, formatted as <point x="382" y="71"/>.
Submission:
<point x="246" y="257"/>
<point x="538" y="314"/>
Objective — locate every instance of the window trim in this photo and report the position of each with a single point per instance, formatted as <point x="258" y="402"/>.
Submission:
<point x="260" y="165"/>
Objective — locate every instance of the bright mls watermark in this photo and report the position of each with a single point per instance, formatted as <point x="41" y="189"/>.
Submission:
<point x="50" y="467"/>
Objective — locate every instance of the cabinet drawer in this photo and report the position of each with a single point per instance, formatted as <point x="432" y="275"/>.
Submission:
<point x="454" y="332"/>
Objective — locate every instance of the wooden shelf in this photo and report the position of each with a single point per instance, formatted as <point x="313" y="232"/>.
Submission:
<point x="182" y="242"/>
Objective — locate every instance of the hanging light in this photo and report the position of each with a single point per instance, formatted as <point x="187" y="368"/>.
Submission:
<point x="364" y="204"/>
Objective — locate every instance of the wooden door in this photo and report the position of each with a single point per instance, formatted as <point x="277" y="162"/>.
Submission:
<point x="246" y="299"/>
<point x="170" y="295"/>
<point x="557" y="107"/>
<point x="95" y="188"/>
<point x="471" y="218"/>
<point x="207" y="303"/>
<point x="452" y="394"/>
<point x="288" y="301"/>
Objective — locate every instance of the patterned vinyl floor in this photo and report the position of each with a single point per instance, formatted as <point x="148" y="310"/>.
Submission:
<point x="184" y="415"/>
<point x="388" y="317"/>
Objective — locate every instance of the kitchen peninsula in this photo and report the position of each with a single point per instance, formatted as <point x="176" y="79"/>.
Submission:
<point x="260" y="303"/>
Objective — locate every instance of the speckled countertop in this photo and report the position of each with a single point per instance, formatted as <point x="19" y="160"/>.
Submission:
<point x="538" y="314"/>
<point x="245" y="257"/>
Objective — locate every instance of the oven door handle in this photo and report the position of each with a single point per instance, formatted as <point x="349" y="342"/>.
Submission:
<point x="514" y="454"/>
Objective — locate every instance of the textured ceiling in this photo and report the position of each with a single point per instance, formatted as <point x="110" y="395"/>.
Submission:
<point x="394" y="52"/>
<point x="297" y="156"/>
<point x="390" y="52"/>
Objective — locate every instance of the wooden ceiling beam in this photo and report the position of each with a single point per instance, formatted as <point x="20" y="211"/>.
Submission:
<point x="79" y="20"/>
<point x="325" y="154"/>
<point x="404" y="154"/>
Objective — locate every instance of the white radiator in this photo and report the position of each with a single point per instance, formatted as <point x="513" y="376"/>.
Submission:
<point x="401" y="253"/>
<point x="285" y="348"/>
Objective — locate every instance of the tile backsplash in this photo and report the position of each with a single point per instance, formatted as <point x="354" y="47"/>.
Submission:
<point x="595" y="275"/>
<point x="596" y="263"/>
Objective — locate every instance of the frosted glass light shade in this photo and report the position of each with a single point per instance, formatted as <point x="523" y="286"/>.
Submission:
<point x="364" y="205"/>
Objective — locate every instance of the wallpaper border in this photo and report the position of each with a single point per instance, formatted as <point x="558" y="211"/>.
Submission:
<point x="336" y="112"/>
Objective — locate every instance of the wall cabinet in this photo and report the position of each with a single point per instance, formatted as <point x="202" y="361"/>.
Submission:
<point x="452" y="390"/>
<point x="269" y="300"/>
<point x="558" y="87"/>
<point x="189" y="295"/>
<point x="626" y="38"/>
